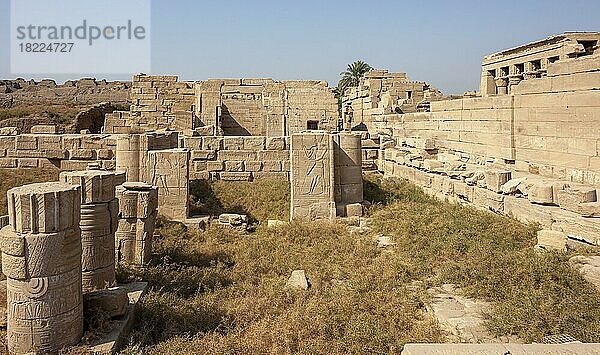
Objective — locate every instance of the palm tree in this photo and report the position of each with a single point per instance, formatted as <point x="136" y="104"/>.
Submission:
<point x="352" y="75"/>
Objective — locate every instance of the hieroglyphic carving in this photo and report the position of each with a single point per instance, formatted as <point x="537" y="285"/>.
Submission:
<point x="98" y="226"/>
<point x="41" y="258"/>
<point x="169" y="171"/>
<point x="312" y="176"/>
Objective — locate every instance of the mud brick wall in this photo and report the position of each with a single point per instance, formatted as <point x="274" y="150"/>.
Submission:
<point x="238" y="158"/>
<point x="67" y="152"/>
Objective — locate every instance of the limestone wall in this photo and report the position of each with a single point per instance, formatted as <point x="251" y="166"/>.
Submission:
<point x="67" y="151"/>
<point x="238" y="158"/>
<point x="549" y="126"/>
<point x="542" y="141"/>
<point x="231" y="107"/>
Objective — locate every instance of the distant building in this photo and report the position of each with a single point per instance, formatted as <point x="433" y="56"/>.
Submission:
<point x="503" y="70"/>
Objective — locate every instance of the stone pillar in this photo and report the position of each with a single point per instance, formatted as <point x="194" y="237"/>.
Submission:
<point x="502" y="85"/>
<point x="41" y="258"/>
<point x="169" y="171"/>
<point x="514" y="80"/>
<point x="348" y="170"/>
<point x="312" y="176"/>
<point x="99" y="220"/>
<point x="132" y="156"/>
<point x="137" y="210"/>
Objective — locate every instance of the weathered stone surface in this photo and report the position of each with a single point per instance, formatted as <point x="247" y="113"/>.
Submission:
<point x="589" y="209"/>
<point x="589" y="267"/>
<point x="41" y="257"/>
<point x="354" y="210"/>
<point x="552" y="240"/>
<point x="462" y="317"/>
<point x="298" y="281"/>
<point x="137" y="211"/>
<point x="312" y="176"/>
<point x="570" y="197"/>
<point x="112" y="302"/>
<point x="494" y="179"/>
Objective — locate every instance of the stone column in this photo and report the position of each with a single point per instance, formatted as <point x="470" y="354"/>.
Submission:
<point x="348" y="170"/>
<point x="131" y="155"/>
<point x="137" y="210"/>
<point x="99" y="220"/>
<point x="312" y="176"/>
<point x="41" y="258"/>
<point x="502" y="85"/>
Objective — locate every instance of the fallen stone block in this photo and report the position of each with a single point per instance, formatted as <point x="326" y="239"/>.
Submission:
<point x="43" y="129"/>
<point x="541" y="192"/>
<point x="112" y="302"/>
<point x="589" y="267"/>
<point x="273" y="223"/>
<point x="494" y="179"/>
<point x="432" y="165"/>
<point x="588" y="209"/>
<point x="570" y="197"/>
<point x="384" y="242"/>
<point x="233" y="219"/>
<point x="354" y="210"/>
<point x="121" y="326"/>
<point x="511" y="187"/>
<point x="552" y="240"/>
<point x="475" y="177"/>
<point x="298" y="281"/>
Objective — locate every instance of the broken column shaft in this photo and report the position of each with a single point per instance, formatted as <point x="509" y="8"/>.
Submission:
<point x="41" y="258"/>
<point x="138" y="203"/>
<point x="99" y="218"/>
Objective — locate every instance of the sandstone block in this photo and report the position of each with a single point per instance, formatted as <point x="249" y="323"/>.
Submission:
<point x="494" y="179"/>
<point x="44" y="129"/>
<point x="44" y="207"/>
<point x="354" y="210"/>
<point x="588" y="209"/>
<point x="552" y="240"/>
<point x="96" y="186"/>
<point x="570" y="197"/>
<point x="298" y="281"/>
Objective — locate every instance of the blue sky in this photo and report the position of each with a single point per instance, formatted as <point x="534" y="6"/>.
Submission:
<point x="441" y="42"/>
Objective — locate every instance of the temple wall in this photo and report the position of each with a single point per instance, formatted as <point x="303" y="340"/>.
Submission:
<point x="549" y="126"/>
<point x="66" y="151"/>
<point x="533" y="154"/>
<point x="238" y="158"/>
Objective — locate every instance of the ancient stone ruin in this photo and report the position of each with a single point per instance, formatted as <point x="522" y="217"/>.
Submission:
<point x="526" y="145"/>
<point x="41" y="258"/>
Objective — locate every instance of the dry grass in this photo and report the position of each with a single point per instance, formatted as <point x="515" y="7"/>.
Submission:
<point x="492" y="258"/>
<point x="260" y="200"/>
<point x="10" y="178"/>
<point x="221" y="291"/>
